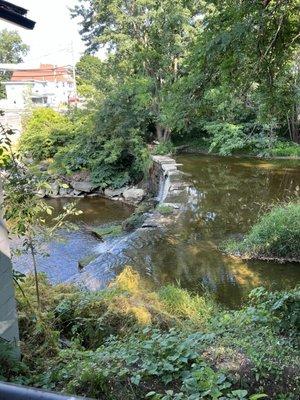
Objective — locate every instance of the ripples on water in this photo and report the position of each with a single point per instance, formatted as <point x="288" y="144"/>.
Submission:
<point x="227" y="195"/>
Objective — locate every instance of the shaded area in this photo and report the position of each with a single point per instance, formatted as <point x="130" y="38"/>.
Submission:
<point x="228" y="195"/>
<point x="63" y="255"/>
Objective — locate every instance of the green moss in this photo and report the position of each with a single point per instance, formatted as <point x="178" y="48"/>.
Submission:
<point x="275" y="235"/>
<point x="165" y="209"/>
<point x="105" y="231"/>
<point x="134" y="221"/>
<point x="87" y="260"/>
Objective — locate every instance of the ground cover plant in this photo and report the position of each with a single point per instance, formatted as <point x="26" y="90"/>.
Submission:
<point x="132" y="342"/>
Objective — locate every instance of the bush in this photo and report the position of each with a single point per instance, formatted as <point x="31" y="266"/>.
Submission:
<point x="286" y="149"/>
<point x="164" y="148"/>
<point x="226" y="138"/>
<point x="283" y="307"/>
<point x="275" y="235"/>
<point x="45" y="131"/>
<point x="165" y="345"/>
<point x="115" y="158"/>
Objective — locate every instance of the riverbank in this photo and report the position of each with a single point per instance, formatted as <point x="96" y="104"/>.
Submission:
<point x="132" y="343"/>
<point x="281" y="150"/>
<point x="274" y="237"/>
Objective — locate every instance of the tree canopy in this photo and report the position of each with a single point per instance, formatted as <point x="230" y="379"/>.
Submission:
<point x="12" y="50"/>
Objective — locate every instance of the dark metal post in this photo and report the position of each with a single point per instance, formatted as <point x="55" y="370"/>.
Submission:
<point x="9" y="391"/>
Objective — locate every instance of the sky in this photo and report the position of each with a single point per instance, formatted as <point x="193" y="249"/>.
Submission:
<point x="54" y="35"/>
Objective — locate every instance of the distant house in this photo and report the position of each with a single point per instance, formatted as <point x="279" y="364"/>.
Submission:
<point x="47" y="86"/>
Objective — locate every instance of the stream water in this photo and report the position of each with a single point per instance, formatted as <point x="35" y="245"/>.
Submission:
<point x="228" y="195"/>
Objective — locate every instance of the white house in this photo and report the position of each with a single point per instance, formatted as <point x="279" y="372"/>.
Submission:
<point x="47" y="86"/>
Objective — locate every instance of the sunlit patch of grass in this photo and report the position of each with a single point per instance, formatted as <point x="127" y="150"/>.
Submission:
<point x="183" y="304"/>
<point x="129" y="281"/>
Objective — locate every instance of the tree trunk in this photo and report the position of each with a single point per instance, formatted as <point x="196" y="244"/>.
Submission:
<point x="294" y="125"/>
<point x="162" y="133"/>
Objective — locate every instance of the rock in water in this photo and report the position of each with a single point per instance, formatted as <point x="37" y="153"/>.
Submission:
<point x="114" y="192"/>
<point x="134" y="195"/>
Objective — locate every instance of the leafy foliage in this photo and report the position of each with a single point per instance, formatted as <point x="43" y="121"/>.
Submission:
<point x="45" y="130"/>
<point x="134" y="343"/>
<point x="12" y="50"/>
<point x="275" y="235"/>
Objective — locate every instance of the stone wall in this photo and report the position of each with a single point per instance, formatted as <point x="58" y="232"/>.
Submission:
<point x="171" y="188"/>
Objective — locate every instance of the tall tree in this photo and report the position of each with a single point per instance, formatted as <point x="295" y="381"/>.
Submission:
<point x="147" y="38"/>
<point x="12" y="50"/>
<point x="251" y="48"/>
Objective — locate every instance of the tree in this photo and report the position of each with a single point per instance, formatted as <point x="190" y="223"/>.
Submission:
<point x="248" y="54"/>
<point x="12" y="50"/>
<point x="146" y="38"/>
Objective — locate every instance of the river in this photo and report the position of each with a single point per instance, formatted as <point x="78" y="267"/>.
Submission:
<point x="228" y="196"/>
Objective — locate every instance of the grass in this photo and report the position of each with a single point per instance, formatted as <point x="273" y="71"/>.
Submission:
<point x="132" y="342"/>
<point x="276" y="235"/>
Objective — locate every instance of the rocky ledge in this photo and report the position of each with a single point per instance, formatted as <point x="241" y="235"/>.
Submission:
<point x="84" y="187"/>
<point x="173" y="193"/>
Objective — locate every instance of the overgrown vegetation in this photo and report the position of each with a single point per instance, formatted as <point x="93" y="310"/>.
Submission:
<point x="276" y="235"/>
<point x="223" y="75"/>
<point x="12" y="50"/>
<point x="45" y="131"/>
<point x="131" y="342"/>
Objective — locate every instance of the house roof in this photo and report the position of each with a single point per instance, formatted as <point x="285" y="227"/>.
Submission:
<point x="46" y="72"/>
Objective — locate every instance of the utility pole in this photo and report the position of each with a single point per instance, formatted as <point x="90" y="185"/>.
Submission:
<point x="74" y="73"/>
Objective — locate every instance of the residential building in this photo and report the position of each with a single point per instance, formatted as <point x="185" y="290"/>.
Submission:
<point x="46" y="86"/>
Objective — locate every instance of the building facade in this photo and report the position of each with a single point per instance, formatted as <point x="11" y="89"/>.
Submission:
<point x="47" y="86"/>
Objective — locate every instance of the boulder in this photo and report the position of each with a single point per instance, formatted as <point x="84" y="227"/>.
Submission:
<point x="114" y="192"/>
<point x="54" y="189"/>
<point x="82" y="186"/>
<point x="63" y="191"/>
<point x="134" y="195"/>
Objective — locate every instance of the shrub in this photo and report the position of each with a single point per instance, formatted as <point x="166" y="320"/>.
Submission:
<point x="226" y="138"/>
<point x="286" y="149"/>
<point x="45" y="131"/>
<point x="283" y="307"/>
<point x="275" y="235"/>
<point x="164" y="148"/>
<point x="165" y="345"/>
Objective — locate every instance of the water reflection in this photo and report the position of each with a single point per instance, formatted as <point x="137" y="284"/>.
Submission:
<point x="228" y="196"/>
